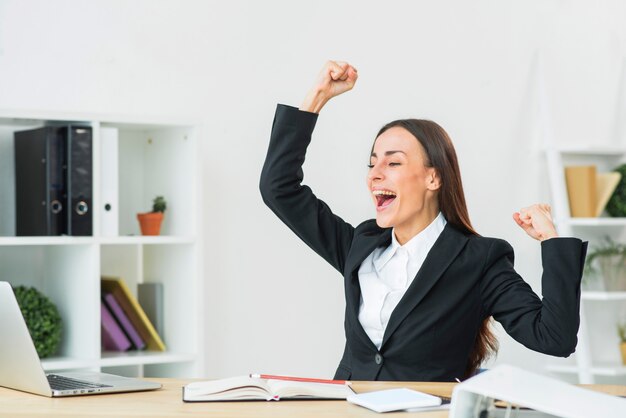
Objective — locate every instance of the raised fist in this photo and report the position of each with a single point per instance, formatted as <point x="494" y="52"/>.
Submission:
<point x="335" y="78"/>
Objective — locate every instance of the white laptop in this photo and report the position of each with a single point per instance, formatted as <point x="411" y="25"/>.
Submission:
<point x="21" y="369"/>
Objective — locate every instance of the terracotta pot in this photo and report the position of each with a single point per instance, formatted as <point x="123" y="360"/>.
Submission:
<point x="622" y="347"/>
<point x="150" y="223"/>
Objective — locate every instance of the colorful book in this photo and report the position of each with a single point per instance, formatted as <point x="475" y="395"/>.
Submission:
<point x="133" y="311"/>
<point x="113" y="338"/>
<point x="124" y="322"/>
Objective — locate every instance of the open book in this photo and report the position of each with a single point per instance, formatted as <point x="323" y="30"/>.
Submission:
<point x="244" y="388"/>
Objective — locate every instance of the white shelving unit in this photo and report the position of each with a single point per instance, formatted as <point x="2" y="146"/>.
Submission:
<point x="156" y="157"/>
<point x="597" y="353"/>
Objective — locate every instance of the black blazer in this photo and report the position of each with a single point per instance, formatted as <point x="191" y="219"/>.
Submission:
<point x="464" y="279"/>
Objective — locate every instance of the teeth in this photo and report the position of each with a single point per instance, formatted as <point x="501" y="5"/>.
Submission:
<point x="383" y="192"/>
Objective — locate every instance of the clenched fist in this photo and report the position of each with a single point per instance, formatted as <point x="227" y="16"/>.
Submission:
<point x="536" y="220"/>
<point x="335" y="78"/>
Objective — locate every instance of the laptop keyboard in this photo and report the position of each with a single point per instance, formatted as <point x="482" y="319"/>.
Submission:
<point x="65" y="383"/>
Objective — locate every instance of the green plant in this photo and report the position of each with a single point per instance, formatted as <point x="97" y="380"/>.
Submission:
<point x="42" y="319"/>
<point x="606" y="249"/>
<point x="617" y="203"/>
<point x="621" y="331"/>
<point x="605" y="267"/>
<point x="159" y="204"/>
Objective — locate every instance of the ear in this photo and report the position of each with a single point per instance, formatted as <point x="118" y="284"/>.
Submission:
<point x="433" y="181"/>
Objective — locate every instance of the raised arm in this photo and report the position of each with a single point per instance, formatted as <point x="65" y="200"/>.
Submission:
<point x="281" y="179"/>
<point x="548" y="325"/>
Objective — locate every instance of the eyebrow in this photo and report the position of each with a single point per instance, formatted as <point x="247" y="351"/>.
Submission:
<point x="387" y="153"/>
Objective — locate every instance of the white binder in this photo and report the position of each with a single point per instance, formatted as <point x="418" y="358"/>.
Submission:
<point x="546" y="396"/>
<point x="109" y="182"/>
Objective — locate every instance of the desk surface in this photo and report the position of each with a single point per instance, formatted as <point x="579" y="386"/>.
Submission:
<point x="167" y="402"/>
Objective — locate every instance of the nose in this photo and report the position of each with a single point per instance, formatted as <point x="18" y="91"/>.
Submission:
<point x="375" y="173"/>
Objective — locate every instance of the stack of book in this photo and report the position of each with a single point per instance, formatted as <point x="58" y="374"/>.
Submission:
<point x="124" y="324"/>
<point x="589" y="191"/>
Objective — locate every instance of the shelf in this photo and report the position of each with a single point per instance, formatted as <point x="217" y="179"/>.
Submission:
<point x="66" y="363"/>
<point x="599" y="295"/>
<point x="131" y="358"/>
<point x="66" y="240"/>
<point x="605" y="369"/>
<point x="606" y="151"/>
<point x="62" y="240"/>
<point x="113" y="359"/>
<point x="147" y="240"/>
<point x="592" y="221"/>
<point x="19" y="118"/>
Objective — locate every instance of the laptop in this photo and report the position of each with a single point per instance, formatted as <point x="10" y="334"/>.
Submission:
<point x="21" y="369"/>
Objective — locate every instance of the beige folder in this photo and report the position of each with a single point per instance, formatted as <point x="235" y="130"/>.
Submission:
<point x="589" y="191"/>
<point x="581" y="190"/>
<point x="605" y="186"/>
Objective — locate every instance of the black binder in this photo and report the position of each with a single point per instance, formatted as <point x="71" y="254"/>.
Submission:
<point x="53" y="181"/>
<point x="40" y="195"/>
<point x="79" y="179"/>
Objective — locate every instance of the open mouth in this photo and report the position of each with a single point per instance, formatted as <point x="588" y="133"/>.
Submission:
<point x="384" y="198"/>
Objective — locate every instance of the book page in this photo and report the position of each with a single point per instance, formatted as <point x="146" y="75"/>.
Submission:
<point x="233" y="388"/>
<point x="293" y="389"/>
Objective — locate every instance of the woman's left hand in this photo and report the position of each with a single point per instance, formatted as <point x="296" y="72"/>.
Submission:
<point x="536" y="220"/>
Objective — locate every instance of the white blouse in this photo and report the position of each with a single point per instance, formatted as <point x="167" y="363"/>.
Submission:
<point x="387" y="273"/>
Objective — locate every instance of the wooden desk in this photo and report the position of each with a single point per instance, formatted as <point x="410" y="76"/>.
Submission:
<point x="167" y="402"/>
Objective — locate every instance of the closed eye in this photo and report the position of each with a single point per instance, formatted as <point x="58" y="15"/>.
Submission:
<point x="390" y="164"/>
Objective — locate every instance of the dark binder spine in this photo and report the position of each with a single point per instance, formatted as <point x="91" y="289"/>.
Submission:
<point x="79" y="179"/>
<point x="57" y="172"/>
<point x="39" y="182"/>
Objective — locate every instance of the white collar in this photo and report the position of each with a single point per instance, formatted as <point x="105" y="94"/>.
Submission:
<point x="424" y="239"/>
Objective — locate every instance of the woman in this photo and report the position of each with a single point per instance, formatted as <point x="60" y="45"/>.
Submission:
<point x="420" y="284"/>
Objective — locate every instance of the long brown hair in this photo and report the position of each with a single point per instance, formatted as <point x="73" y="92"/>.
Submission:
<point x="441" y="155"/>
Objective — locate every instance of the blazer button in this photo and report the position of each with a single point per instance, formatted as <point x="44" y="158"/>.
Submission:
<point x="378" y="359"/>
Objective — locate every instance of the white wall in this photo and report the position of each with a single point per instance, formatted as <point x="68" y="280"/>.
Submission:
<point x="272" y="304"/>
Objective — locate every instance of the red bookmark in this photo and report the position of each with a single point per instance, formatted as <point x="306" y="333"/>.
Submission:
<point x="300" y="379"/>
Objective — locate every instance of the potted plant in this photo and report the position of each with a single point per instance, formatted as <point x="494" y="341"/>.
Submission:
<point x="606" y="266"/>
<point x="621" y="330"/>
<point x="150" y="222"/>
<point x="42" y="319"/>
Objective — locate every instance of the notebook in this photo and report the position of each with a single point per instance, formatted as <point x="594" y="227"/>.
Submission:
<point x="394" y="400"/>
<point x="22" y="370"/>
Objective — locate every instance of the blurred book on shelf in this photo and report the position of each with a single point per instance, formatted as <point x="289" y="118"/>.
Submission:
<point x="150" y="296"/>
<point x="113" y="338"/>
<point x="133" y="310"/>
<point x="606" y="185"/>
<point x="589" y="191"/>
<point x="123" y="321"/>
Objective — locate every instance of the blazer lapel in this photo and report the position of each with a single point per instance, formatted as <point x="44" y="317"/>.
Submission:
<point x="366" y="243"/>
<point x="441" y="255"/>
<point x="362" y="248"/>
